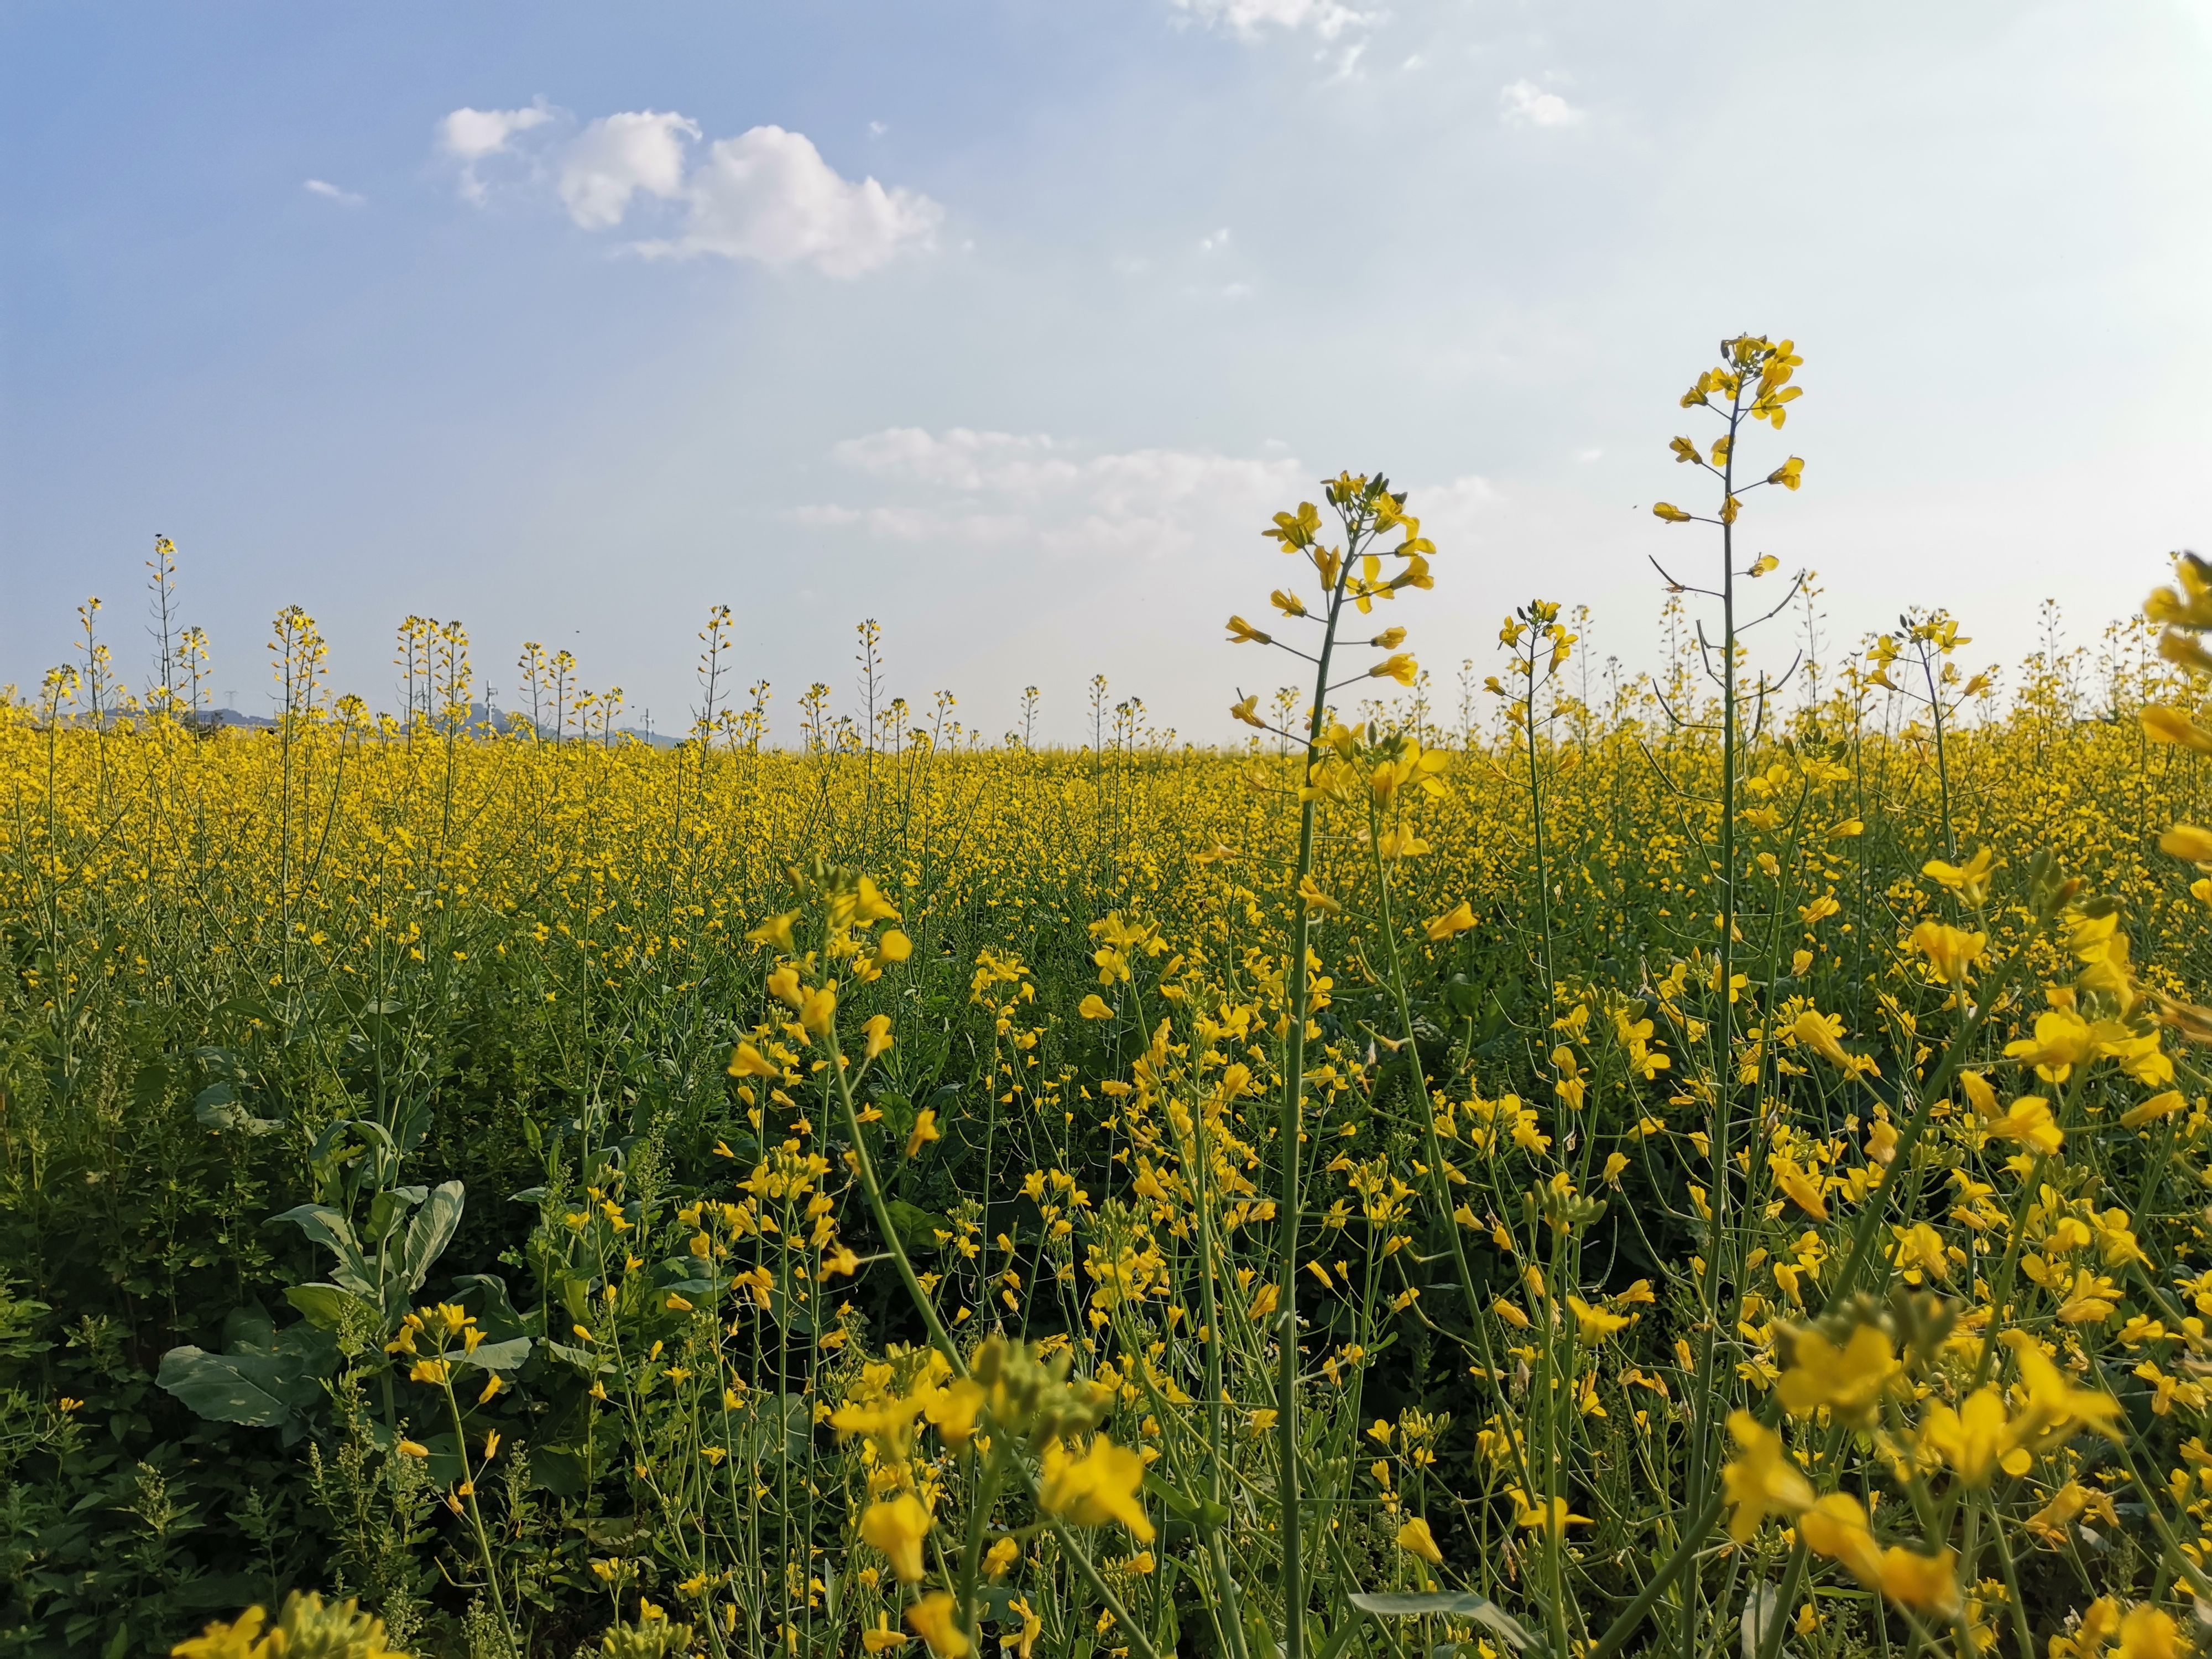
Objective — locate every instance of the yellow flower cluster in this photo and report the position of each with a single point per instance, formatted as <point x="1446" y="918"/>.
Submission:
<point x="1607" y="1148"/>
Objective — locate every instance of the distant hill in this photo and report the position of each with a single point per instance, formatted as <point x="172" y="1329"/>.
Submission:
<point x="215" y="719"/>
<point x="481" y="721"/>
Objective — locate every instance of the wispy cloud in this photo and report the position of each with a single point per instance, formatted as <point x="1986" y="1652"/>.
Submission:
<point x="1339" y="31"/>
<point x="974" y="487"/>
<point x="331" y="193"/>
<point x="1250" y="19"/>
<point x="1525" y="104"/>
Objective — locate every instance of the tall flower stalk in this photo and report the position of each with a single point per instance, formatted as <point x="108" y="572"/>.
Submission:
<point x="1753" y="379"/>
<point x="1350" y="576"/>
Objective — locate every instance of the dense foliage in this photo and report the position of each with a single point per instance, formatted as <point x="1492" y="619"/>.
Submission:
<point x="1748" y="1180"/>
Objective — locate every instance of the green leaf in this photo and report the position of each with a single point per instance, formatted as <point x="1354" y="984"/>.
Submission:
<point x="216" y="1106"/>
<point x="1450" y="1604"/>
<point x="1199" y="1511"/>
<point x="679" y="1274"/>
<point x="261" y="1391"/>
<point x="499" y="1356"/>
<point x="917" y="1228"/>
<point x="325" y="1306"/>
<point x="584" y="1357"/>
<point x="386" y="1210"/>
<point x="493" y="1305"/>
<point x="430" y="1231"/>
<point x="556" y="1471"/>
<point x="330" y="1229"/>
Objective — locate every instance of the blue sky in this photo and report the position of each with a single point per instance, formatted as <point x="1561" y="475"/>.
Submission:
<point x="1007" y="324"/>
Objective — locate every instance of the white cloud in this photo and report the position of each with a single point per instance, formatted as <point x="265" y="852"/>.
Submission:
<point x="1219" y="239"/>
<point x="329" y="191"/>
<point x="618" y="156"/>
<point x="1249" y="19"/>
<point x="878" y="129"/>
<point x="470" y="135"/>
<point x="767" y="195"/>
<point x="999" y="488"/>
<point x="1525" y="104"/>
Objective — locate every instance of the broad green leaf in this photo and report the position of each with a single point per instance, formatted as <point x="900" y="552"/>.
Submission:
<point x="217" y="1108"/>
<point x="430" y="1231"/>
<point x="499" y="1356"/>
<point x="330" y="1229"/>
<point x="584" y="1357"/>
<point x="493" y="1306"/>
<point x="386" y="1210"/>
<point x="325" y="1306"/>
<point x="261" y="1391"/>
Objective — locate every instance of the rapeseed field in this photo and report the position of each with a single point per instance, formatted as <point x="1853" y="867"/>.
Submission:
<point x="1712" y="1164"/>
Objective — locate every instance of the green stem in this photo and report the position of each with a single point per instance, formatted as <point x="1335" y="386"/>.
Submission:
<point x="1722" y="1132"/>
<point x="476" y="1516"/>
<point x="1908" y="1142"/>
<point x="1290" y="1131"/>
<point x="941" y="1339"/>
<point x="1686" y="1552"/>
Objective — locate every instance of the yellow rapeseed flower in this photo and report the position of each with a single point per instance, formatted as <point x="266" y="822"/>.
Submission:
<point x="1970" y="881"/>
<point x="2163" y="725"/>
<point x="1836" y="1526"/>
<point x="1099" y="1487"/>
<point x="1593" y="1325"/>
<point x="775" y="931"/>
<point x="1550" y="1517"/>
<point x="1951" y="951"/>
<point x="897" y="1527"/>
<point x="934" y="1621"/>
<point x="1850" y="1381"/>
<point x="1457" y="919"/>
<point x="1978" y="1438"/>
<point x="1415" y="1539"/>
<point x="1762" y="1482"/>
